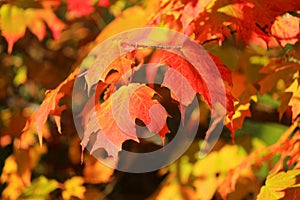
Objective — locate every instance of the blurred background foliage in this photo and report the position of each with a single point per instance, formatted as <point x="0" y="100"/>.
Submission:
<point x="54" y="170"/>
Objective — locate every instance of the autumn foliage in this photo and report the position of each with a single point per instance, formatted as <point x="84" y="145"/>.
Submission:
<point x="48" y="51"/>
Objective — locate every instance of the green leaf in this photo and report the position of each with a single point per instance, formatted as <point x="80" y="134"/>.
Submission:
<point x="268" y="101"/>
<point x="259" y="60"/>
<point x="267" y="132"/>
<point x="13" y="24"/>
<point x="21" y="76"/>
<point x="185" y="169"/>
<point x="288" y="47"/>
<point x="39" y="189"/>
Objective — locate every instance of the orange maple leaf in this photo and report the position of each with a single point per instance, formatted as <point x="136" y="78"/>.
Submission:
<point x="114" y="120"/>
<point x="50" y="106"/>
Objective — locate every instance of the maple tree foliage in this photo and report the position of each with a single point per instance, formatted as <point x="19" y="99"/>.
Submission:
<point x="15" y="20"/>
<point x="254" y="45"/>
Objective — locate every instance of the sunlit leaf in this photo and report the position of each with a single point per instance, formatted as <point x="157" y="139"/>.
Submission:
<point x="208" y="181"/>
<point x="276" y="183"/>
<point x="15" y="20"/>
<point x="73" y="187"/>
<point x="286" y="29"/>
<point x="95" y="172"/>
<point x="39" y="188"/>
<point x="13" y="24"/>
<point x="51" y="106"/>
<point x="116" y="118"/>
<point x="295" y="99"/>
<point x="10" y="176"/>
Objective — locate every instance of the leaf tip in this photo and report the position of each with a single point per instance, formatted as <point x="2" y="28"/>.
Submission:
<point x="10" y="43"/>
<point x="81" y="156"/>
<point x="204" y="149"/>
<point x="40" y="139"/>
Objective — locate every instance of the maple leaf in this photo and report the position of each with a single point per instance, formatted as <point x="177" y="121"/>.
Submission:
<point x="241" y="112"/>
<point x="74" y="187"/>
<point x="36" y="25"/>
<point x="207" y="182"/>
<point x="192" y="10"/>
<point x="10" y="175"/>
<point x="284" y="103"/>
<point x="125" y="21"/>
<point x="185" y="80"/>
<point x="224" y="71"/>
<point x="10" y="30"/>
<point x="39" y="188"/>
<point x="276" y="69"/>
<point x="244" y="94"/>
<point x="218" y="19"/>
<point x="277" y="183"/>
<point x="286" y="29"/>
<point x="285" y="147"/>
<point x="114" y="120"/>
<point x="55" y="24"/>
<point x="187" y="75"/>
<point x="242" y="109"/>
<point x="104" y="3"/>
<point x="255" y="17"/>
<point x="198" y="75"/>
<point x="281" y="69"/>
<point x="213" y="77"/>
<point x="50" y="106"/>
<point x="295" y="98"/>
<point x="130" y="18"/>
<point x="80" y="8"/>
<point x="96" y="172"/>
<point x="99" y="73"/>
<point x="15" y="20"/>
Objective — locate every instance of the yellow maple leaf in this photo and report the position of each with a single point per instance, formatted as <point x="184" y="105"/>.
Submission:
<point x="74" y="187"/>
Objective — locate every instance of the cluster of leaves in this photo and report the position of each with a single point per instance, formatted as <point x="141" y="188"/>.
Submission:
<point x="40" y="187"/>
<point x="258" y="41"/>
<point x="15" y="18"/>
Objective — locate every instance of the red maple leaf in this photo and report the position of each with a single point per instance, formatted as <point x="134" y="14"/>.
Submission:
<point x="218" y="19"/>
<point x="104" y="3"/>
<point x="80" y="8"/>
<point x="114" y="120"/>
<point x="185" y="80"/>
